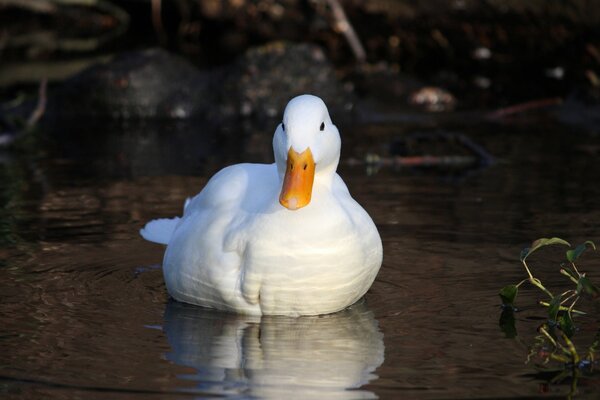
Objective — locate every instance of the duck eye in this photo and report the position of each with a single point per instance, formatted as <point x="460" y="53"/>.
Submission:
<point x="283" y="126"/>
<point x="322" y="126"/>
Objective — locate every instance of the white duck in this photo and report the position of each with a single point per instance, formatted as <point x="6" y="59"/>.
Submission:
<point x="274" y="239"/>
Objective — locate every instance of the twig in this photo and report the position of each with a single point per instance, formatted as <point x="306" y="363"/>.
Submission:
<point x="522" y="107"/>
<point x="39" y="110"/>
<point x="157" y="20"/>
<point x="49" y="39"/>
<point x="37" y="6"/>
<point x="433" y="161"/>
<point x="480" y="156"/>
<point x="343" y="25"/>
<point x="485" y="158"/>
<point x="593" y="51"/>
<point x="413" y="161"/>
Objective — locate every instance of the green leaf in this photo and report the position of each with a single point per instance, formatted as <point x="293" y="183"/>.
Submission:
<point x="553" y="308"/>
<point x="574" y="254"/>
<point x="584" y="285"/>
<point x="566" y="324"/>
<point x="541" y="243"/>
<point x="508" y="294"/>
<point x="524" y="253"/>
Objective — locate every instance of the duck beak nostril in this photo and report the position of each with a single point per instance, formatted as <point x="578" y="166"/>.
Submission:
<point x="297" y="185"/>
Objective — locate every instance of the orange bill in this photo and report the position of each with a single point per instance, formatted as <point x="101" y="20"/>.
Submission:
<point x="298" y="180"/>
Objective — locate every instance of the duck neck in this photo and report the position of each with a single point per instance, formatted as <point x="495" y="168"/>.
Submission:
<point x="324" y="177"/>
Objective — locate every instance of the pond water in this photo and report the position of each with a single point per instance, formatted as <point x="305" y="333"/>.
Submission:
<point x="84" y="312"/>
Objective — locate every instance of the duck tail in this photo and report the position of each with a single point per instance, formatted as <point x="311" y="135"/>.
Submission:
<point x="159" y="230"/>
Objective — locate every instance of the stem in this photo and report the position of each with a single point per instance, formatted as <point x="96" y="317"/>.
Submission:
<point x="550" y="338"/>
<point x="522" y="282"/>
<point x="565" y="273"/>
<point x="573" y="384"/>
<point x="573" y="305"/>
<point x="571" y="347"/>
<point x="563" y="308"/>
<point x="573" y="294"/>
<point x="536" y="282"/>
<point x="560" y="358"/>
<point x="527" y="269"/>
<point x="575" y="269"/>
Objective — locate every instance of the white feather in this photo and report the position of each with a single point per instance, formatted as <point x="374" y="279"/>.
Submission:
<point x="159" y="230"/>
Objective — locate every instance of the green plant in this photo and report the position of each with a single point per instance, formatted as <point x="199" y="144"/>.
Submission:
<point x="554" y="341"/>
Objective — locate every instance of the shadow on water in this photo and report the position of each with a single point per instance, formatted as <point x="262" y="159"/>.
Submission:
<point x="140" y="147"/>
<point x="133" y="148"/>
<point x="276" y="357"/>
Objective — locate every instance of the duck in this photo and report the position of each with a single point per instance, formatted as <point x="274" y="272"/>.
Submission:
<point x="285" y="238"/>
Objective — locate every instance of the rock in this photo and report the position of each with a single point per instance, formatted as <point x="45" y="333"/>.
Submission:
<point x="156" y="84"/>
<point x="141" y="84"/>
<point x="433" y="99"/>
<point x="265" y="78"/>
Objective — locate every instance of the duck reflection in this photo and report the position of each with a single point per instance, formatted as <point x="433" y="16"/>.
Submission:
<point x="308" y="357"/>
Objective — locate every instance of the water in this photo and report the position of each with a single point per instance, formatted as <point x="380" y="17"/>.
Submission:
<point x="84" y="312"/>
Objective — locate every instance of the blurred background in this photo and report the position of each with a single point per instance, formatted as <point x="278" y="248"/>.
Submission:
<point x="231" y="65"/>
<point x="487" y="53"/>
<point x="548" y="47"/>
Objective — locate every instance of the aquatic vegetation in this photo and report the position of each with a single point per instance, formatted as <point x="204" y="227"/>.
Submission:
<point x="555" y="341"/>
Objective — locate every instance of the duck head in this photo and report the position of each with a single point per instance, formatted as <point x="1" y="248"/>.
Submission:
<point x="307" y="148"/>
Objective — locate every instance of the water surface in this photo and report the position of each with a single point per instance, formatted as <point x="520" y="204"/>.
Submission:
<point x="84" y="312"/>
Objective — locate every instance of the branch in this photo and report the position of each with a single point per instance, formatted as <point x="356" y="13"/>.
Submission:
<point x="39" y="110"/>
<point x="343" y="25"/>
<point x="522" y="107"/>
